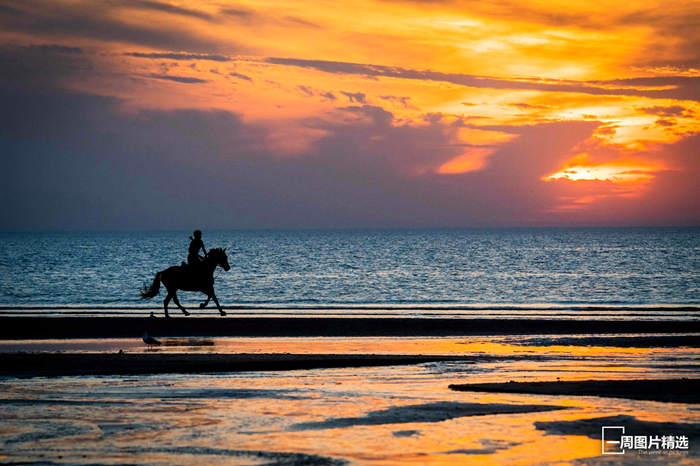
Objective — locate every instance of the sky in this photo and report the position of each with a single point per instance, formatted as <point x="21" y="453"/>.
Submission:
<point x="151" y="114"/>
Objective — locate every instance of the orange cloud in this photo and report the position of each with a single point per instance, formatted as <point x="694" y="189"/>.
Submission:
<point x="623" y="171"/>
<point x="473" y="159"/>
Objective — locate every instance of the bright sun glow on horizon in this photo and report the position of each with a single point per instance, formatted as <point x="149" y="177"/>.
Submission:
<point x="616" y="171"/>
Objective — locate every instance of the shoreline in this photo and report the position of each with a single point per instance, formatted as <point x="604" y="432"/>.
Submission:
<point x="377" y="307"/>
<point x="40" y="327"/>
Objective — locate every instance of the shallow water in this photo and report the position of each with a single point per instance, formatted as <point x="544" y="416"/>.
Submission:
<point x="404" y="269"/>
<point x="381" y="415"/>
<point x="609" y="346"/>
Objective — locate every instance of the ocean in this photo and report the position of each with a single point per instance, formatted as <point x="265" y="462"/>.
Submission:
<point x="364" y="269"/>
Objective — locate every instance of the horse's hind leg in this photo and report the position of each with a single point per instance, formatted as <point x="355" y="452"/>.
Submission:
<point x="204" y="304"/>
<point x="177" y="303"/>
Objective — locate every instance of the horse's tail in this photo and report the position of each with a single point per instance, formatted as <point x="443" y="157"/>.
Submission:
<point x="148" y="293"/>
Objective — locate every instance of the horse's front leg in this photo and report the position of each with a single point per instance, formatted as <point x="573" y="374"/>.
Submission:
<point x="216" y="301"/>
<point x="177" y="303"/>
<point x="204" y="304"/>
<point x="165" y="303"/>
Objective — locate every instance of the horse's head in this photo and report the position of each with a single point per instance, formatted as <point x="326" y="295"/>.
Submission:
<point x="219" y="257"/>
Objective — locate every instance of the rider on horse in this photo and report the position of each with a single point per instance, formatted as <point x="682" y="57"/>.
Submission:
<point x="195" y="245"/>
<point x="197" y="276"/>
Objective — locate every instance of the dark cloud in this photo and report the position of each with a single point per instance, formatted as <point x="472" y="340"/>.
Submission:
<point x="671" y="111"/>
<point x="685" y="87"/>
<point x="355" y="97"/>
<point x="403" y="100"/>
<point x="678" y="65"/>
<point x="178" y="79"/>
<point x="675" y="29"/>
<point x="77" y="161"/>
<point x="252" y="17"/>
<point x="526" y="106"/>
<point x="311" y="92"/>
<point x="241" y="13"/>
<point x="301" y="22"/>
<point x="7" y="10"/>
<point x="606" y="129"/>
<point x="518" y="11"/>
<point x="55" y="48"/>
<point x="332" y="66"/>
<point x="306" y="90"/>
<point x="96" y="20"/>
<point x="665" y="122"/>
<point x="179" y="56"/>
<point x="41" y="66"/>
<point x="672" y="195"/>
<point x="241" y="76"/>
<point x="164" y="7"/>
<point x="432" y="117"/>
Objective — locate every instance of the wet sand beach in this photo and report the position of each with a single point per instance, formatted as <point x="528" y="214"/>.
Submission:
<point x="345" y="408"/>
<point x="21" y="327"/>
<point x="668" y="390"/>
<point x="343" y="390"/>
<point x="66" y="364"/>
<point x="681" y="390"/>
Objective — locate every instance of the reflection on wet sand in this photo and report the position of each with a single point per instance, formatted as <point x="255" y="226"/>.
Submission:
<point x="519" y="344"/>
<point x="367" y="415"/>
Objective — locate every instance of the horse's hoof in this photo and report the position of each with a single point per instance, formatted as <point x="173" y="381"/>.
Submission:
<point x="167" y="316"/>
<point x="202" y="305"/>
<point x="222" y="313"/>
<point x="185" y="312"/>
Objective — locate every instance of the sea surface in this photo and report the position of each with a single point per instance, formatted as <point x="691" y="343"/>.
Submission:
<point x="551" y="269"/>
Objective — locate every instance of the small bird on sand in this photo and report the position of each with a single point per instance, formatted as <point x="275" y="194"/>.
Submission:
<point x="150" y="341"/>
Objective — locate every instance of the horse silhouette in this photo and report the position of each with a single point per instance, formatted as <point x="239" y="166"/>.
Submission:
<point x="193" y="277"/>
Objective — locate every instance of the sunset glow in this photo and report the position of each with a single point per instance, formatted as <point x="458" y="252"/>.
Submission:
<point x="620" y="171"/>
<point x="438" y="97"/>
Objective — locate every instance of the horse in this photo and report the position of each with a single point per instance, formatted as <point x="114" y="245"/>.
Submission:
<point x="192" y="277"/>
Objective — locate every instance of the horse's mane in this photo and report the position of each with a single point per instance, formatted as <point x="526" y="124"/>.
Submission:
<point x="216" y="251"/>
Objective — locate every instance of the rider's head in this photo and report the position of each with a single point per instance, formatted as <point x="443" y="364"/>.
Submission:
<point x="197" y="234"/>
